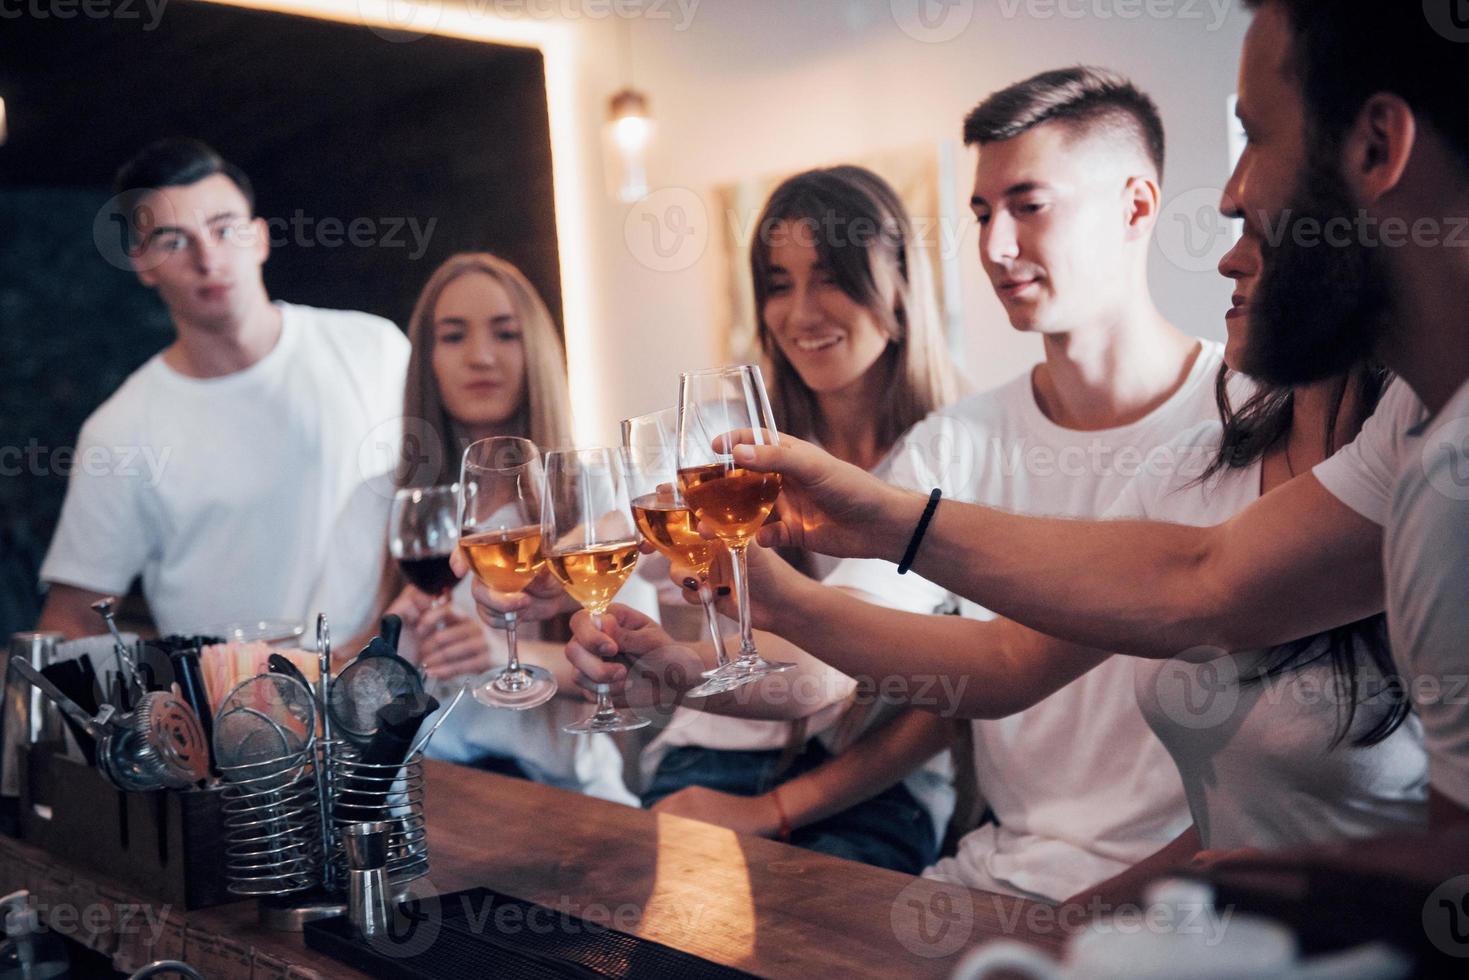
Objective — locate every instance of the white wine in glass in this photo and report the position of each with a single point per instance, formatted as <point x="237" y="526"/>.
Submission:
<point x="591" y="545"/>
<point x="650" y="455"/>
<point x="728" y="498"/>
<point x="501" y="482"/>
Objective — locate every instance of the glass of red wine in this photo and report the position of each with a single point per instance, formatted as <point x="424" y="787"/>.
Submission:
<point x="423" y="531"/>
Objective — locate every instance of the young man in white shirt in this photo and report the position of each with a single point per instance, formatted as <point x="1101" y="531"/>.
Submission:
<point x="256" y="415"/>
<point x="1066" y="195"/>
<point x="1357" y="175"/>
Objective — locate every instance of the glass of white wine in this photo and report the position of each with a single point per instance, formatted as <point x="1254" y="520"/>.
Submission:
<point x="725" y="497"/>
<point x="591" y="545"/>
<point x="650" y="455"/>
<point x="501" y="484"/>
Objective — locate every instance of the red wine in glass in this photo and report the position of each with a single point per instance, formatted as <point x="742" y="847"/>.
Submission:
<point x="430" y="574"/>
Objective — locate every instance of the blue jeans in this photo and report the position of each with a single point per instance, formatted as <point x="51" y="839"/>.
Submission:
<point x="889" y="830"/>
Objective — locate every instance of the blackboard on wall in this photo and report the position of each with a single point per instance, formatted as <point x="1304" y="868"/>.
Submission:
<point x="432" y="146"/>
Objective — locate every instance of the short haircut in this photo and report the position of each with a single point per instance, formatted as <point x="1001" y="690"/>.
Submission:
<point x="1344" y="53"/>
<point x="1091" y="99"/>
<point x="173" y="162"/>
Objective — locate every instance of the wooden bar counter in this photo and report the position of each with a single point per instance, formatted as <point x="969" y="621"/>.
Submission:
<point x="762" y="906"/>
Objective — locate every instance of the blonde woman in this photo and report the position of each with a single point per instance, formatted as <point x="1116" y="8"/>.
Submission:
<point x="486" y="361"/>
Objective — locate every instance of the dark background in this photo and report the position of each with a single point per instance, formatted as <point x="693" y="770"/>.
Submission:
<point x="329" y="120"/>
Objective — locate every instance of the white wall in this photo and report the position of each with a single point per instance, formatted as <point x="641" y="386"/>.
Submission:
<point x="756" y="87"/>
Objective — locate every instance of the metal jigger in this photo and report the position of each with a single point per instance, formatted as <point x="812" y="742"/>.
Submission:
<point x="367" y="877"/>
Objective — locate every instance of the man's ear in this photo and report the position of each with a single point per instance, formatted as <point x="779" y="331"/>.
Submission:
<point x="261" y="231"/>
<point x="1141" y="200"/>
<point x="1377" y="148"/>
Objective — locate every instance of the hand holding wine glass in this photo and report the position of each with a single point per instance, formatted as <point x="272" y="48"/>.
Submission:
<point x="650" y="666"/>
<point x="730" y="499"/>
<point x="777" y="590"/>
<point x="827" y="505"/>
<point x="650" y="453"/>
<point x="543" y="599"/>
<point x="502" y="484"/>
<point x="452" y="643"/>
<point x="591" y="545"/>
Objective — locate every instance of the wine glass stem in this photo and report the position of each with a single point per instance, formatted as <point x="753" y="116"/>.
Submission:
<point x="711" y="620"/>
<point x="604" y="691"/>
<point x="512" y="668"/>
<point x="742" y="596"/>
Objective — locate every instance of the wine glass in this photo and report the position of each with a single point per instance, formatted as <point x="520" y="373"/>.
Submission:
<point x="728" y="498"/>
<point x="650" y="455"/>
<point x="423" y="531"/>
<point x="591" y="545"/>
<point x="500" y="532"/>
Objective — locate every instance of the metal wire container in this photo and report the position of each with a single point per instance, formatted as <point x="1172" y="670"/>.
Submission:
<point x="273" y="826"/>
<point x="392" y="794"/>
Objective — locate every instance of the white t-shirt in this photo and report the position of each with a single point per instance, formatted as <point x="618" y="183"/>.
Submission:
<point x="347" y="593"/>
<point x="931" y="784"/>
<point x="1080" y="785"/>
<point x="1413" y="476"/>
<point x="1256" y="756"/>
<point x="1427" y="563"/>
<point x="1363" y="473"/>
<point x="222" y="492"/>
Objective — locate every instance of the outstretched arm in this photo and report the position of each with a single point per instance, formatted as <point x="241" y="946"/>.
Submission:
<point x="1295" y="562"/>
<point x="949" y="665"/>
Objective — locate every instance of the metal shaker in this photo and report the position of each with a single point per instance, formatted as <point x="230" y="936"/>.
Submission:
<point x="367" y="877"/>
<point x="28" y="718"/>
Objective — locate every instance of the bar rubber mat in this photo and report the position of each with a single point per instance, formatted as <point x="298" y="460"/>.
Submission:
<point x="479" y="932"/>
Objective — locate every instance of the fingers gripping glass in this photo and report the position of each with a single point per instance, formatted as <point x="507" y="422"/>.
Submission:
<point x="650" y="454"/>
<point x="501" y="483"/>
<point x="591" y="545"/>
<point x="730" y="499"/>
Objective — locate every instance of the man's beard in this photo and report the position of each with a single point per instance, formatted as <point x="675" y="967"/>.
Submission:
<point x="1319" y="308"/>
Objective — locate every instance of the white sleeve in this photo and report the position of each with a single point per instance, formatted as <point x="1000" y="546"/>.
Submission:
<point x="355" y="560"/>
<point x="1362" y="475"/>
<point x="1427" y="551"/>
<point x="104" y="536"/>
<point x="936" y="452"/>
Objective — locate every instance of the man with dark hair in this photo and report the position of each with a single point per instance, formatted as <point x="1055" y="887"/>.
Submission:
<point x="253" y="418"/>
<point x="1097" y="104"/>
<point x="1356" y="178"/>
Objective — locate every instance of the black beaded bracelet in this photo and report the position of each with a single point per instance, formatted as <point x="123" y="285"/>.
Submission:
<point x="913" y="543"/>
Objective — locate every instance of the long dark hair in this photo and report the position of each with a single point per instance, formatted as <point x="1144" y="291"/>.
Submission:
<point x="1251" y="431"/>
<point x="865" y="239"/>
<point x="863" y="234"/>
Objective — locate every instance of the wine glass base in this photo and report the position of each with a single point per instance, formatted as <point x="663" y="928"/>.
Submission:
<point x="616" y="721"/>
<point x="745" y="670"/>
<point x="532" y="688"/>
<point x="719" y="685"/>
